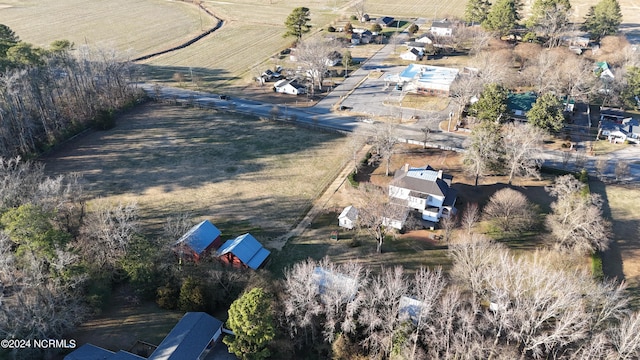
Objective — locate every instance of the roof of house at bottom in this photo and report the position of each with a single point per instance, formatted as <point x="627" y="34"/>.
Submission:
<point x="200" y="236"/>
<point x="247" y="249"/>
<point x="92" y="352"/>
<point x="189" y="338"/>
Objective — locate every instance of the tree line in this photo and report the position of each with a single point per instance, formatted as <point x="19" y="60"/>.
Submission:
<point x="549" y="19"/>
<point x="47" y="95"/>
<point x="490" y="304"/>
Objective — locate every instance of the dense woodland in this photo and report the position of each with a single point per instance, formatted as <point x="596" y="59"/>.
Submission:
<point x="47" y="95"/>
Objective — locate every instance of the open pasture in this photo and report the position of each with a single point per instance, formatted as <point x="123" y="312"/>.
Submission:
<point x="251" y="35"/>
<point x="240" y="172"/>
<point x="137" y="27"/>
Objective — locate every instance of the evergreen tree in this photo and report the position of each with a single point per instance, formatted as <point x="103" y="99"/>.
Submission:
<point x="192" y="296"/>
<point x="541" y="8"/>
<point x="502" y="17"/>
<point x="7" y="39"/>
<point x="546" y="113"/>
<point x="476" y="11"/>
<point x="492" y="105"/>
<point x="297" y="22"/>
<point x="631" y="92"/>
<point x="603" y="19"/>
<point x="251" y="320"/>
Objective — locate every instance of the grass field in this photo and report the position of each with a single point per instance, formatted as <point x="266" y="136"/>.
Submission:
<point x="240" y="172"/>
<point x="622" y="207"/>
<point x="251" y="35"/>
<point x="134" y="26"/>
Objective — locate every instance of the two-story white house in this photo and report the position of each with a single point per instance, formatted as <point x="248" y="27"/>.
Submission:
<point x="426" y="190"/>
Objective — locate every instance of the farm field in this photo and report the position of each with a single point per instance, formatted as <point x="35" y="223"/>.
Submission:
<point x="242" y="173"/>
<point x="241" y="49"/>
<point x="135" y="27"/>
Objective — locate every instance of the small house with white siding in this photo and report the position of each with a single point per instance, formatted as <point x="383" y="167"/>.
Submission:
<point x="442" y="28"/>
<point x="412" y="55"/>
<point x="426" y="190"/>
<point x="291" y="87"/>
<point x="348" y="217"/>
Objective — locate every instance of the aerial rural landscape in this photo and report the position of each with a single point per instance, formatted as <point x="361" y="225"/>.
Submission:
<point x="325" y="179"/>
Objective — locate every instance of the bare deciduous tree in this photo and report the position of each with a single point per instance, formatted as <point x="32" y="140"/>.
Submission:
<point x="320" y="297"/>
<point x="622" y="169"/>
<point x="376" y="212"/>
<point x="380" y="311"/>
<point x="576" y="222"/>
<point x="359" y="9"/>
<point x="448" y="225"/>
<point x="385" y="139"/>
<point x="354" y="145"/>
<point x="315" y="55"/>
<point x="625" y="338"/>
<point x="484" y="150"/>
<point x="107" y="232"/>
<point x="510" y="210"/>
<point x="601" y="167"/>
<point x="470" y="217"/>
<point x="463" y="89"/>
<point x="522" y="150"/>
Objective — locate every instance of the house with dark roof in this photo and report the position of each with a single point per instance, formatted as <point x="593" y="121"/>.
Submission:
<point x="192" y="338"/>
<point x="198" y="241"/>
<point x="611" y="114"/>
<point x="521" y="103"/>
<point x="412" y="55"/>
<point x="244" y="250"/>
<point x="426" y="190"/>
<point x="619" y="132"/>
<point x="385" y="21"/>
<point x="289" y="86"/>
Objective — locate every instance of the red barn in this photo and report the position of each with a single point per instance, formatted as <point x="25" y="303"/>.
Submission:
<point x="198" y="241"/>
<point x="244" y="250"/>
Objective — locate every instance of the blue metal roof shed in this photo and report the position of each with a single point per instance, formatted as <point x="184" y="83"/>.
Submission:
<point x="192" y="337"/>
<point x="247" y="249"/>
<point x="200" y="237"/>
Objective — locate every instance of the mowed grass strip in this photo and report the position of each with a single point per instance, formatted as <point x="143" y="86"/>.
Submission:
<point x="234" y="170"/>
<point x="623" y="205"/>
<point x="134" y="26"/>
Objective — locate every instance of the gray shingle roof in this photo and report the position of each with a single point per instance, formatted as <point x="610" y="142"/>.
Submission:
<point x="423" y="180"/>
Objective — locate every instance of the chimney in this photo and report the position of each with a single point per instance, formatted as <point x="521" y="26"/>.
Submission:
<point x="439" y="174"/>
<point x="405" y="168"/>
